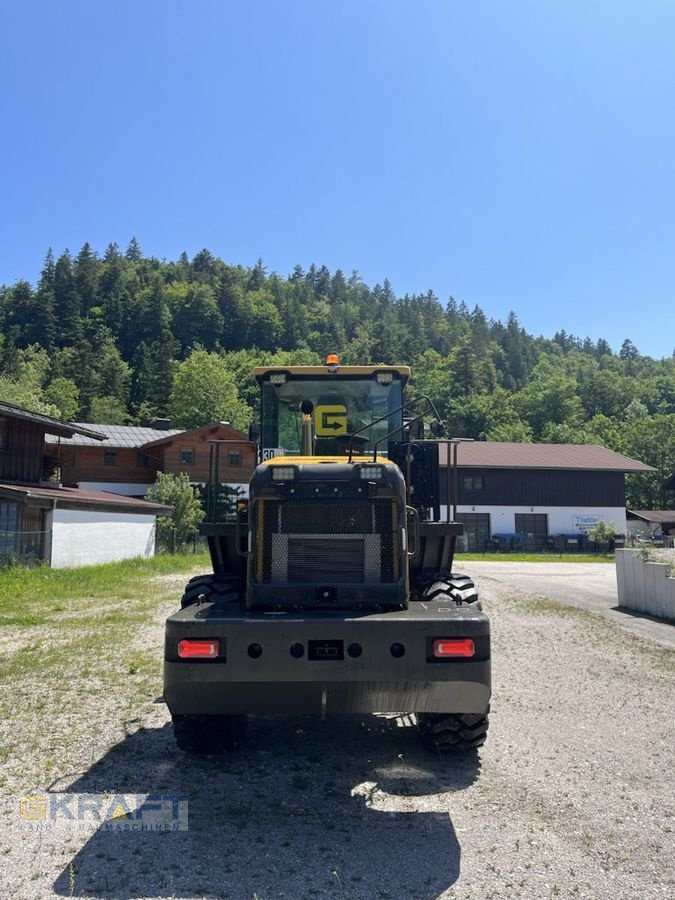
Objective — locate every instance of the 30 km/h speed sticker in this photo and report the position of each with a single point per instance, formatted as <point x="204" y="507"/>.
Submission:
<point x="330" y="420"/>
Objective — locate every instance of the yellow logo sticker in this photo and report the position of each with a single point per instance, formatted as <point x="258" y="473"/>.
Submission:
<point x="119" y="813"/>
<point x="330" y="420"/>
<point x="34" y="808"/>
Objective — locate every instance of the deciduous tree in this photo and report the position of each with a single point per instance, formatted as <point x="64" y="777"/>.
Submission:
<point x="204" y="391"/>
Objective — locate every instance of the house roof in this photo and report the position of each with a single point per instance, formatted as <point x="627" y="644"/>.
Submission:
<point x="656" y="516"/>
<point x="45" y="494"/>
<point x="137" y="437"/>
<point x="54" y="426"/>
<point x="506" y="455"/>
<point x="119" y="436"/>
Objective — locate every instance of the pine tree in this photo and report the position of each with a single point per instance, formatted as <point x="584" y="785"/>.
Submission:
<point x="256" y="278"/>
<point x="112" y="291"/>
<point x="46" y="302"/>
<point x="66" y="303"/>
<point x="133" y="252"/>
<point x="86" y="272"/>
<point x="21" y="315"/>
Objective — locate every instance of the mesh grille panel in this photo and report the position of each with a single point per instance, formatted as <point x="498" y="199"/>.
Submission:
<point x="310" y="559"/>
<point x="326" y="542"/>
<point x="326" y="518"/>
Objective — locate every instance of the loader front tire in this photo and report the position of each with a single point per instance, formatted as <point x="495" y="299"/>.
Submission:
<point x="459" y="589"/>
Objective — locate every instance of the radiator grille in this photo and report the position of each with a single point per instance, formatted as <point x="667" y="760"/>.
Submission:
<point x="327" y="542"/>
<point x="309" y="561"/>
<point x="325" y="518"/>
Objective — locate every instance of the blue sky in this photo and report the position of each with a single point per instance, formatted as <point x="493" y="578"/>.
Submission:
<point x="518" y="156"/>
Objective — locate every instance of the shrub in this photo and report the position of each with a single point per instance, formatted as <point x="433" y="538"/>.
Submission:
<point x="177" y="492"/>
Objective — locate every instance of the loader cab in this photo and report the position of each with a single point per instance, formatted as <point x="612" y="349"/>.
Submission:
<point x="355" y="407"/>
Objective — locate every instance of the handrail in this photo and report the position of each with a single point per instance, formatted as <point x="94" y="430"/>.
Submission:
<point x="387" y="415"/>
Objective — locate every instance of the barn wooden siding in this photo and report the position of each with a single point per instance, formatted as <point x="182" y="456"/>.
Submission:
<point x="88" y="464"/>
<point x="22" y="459"/>
<point x="198" y="470"/>
<point x="532" y="487"/>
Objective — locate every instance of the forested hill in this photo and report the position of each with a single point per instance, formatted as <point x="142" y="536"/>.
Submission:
<point x="124" y="338"/>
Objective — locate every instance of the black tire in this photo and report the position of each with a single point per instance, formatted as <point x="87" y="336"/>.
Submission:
<point x="218" y="589"/>
<point x="453" y="732"/>
<point x="209" y="734"/>
<point x="459" y="589"/>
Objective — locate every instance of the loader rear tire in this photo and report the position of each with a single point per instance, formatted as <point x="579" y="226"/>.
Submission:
<point x="453" y="732"/>
<point x="209" y="734"/>
<point x="218" y="589"/>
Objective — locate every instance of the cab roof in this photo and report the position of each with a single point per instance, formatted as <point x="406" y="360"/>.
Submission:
<point x="330" y="371"/>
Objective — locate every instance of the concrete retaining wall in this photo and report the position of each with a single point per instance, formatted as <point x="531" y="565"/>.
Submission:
<point x="645" y="586"/>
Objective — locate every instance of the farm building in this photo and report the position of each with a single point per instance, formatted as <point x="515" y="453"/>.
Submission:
<point x="655" y="525"/>
<point x="536" y="496"/>
<point x="43" y="521"/>
<point x="130" y="458"/>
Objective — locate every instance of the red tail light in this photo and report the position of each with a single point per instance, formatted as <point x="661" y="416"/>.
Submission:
<point x="445" y="647"/>
<point x="198" y="649"/>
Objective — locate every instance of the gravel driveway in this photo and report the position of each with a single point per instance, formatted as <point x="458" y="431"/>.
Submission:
<point x="590" y="586"/>
<point x="573" y="795"/>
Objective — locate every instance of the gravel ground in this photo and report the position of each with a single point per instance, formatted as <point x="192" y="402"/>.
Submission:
<point x="572" y="796"/>
<point x="588" y="586"/>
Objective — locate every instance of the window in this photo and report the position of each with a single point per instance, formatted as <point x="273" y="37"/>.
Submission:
<point x="8" y="516"/>
<point x="143" y="460"/>
<point x="350" y="405"/>
<point x="186" y="456"/>
<point x="234" y="458"/>
<point x="473" y="482"/>
<point x="110" y="457"/>
<point x="9" y="519"/>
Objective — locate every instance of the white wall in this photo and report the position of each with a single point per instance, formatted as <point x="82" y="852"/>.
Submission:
<point x="645" y="586"/>
<point x="561" y="519"/>
<point x="82" y="537"/>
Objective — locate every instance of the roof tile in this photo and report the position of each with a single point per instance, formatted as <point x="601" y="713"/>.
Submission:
<point x="505" y="455"/>
<point x="120" y="436"/>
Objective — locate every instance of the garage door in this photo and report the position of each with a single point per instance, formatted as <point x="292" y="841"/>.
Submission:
<point x="534" y="528"/>
<point x="476" y="531"/>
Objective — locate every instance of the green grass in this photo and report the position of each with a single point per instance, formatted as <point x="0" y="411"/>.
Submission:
<point x="70" y="627"/>
<point x="536" y="557"/>
<point x="86" y="619"/>
<point x="73" y="637"/>
<point x="36" y="596"/>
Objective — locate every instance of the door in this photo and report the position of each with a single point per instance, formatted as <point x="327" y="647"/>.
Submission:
<point x="534" y="529"/>
<point x="476" y="531"/>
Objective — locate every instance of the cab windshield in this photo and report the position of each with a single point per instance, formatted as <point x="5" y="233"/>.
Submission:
<point x="341" y="407"/>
